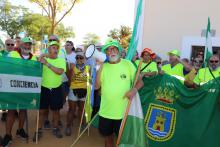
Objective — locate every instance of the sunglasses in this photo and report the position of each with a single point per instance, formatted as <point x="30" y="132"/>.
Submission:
<point x="213" y="61"/>
<point x="158" y="62"/>
<point x="10" y="44"/>
<point x="50" y="40"/>
<point x="198" y="61"/>
<point x="77" y="58"/>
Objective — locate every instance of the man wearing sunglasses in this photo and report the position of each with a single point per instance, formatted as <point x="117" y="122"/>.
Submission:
<point x="9" y="46"/>
<point x="61" y="54"/>
<point x="208" y="73"/>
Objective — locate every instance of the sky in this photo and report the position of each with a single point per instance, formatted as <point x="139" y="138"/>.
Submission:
<point x="93" y="16"/>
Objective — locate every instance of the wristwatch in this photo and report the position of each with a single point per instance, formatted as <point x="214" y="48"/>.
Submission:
<point x="49" y="65"/>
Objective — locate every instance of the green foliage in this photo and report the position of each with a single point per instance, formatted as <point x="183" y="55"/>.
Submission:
<point x="35" y="25"/>
<point x="55" y="8"/>
<point x="123" y="35"/>
<point x="91" y="38"/>
<point x="63" y="32"/>
<point x="11" y="18"/>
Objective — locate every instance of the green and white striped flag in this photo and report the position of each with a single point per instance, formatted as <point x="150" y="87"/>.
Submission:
<point x="134" y="131"/>
<point x="136" y="41"/>
<point x="20" y="83"/>
<point x="208" y="47"/>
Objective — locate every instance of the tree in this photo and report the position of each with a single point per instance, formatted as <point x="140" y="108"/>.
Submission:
<point x="11" y="18"/>
<point x="35" y="25"/>
<point x="63" y="32"/>
<point x="91" y="38"/>
<point x="123" y="35"/>
<point x="55" y="8"/>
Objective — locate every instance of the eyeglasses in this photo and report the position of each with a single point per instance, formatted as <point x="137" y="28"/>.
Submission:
<point x="213" y="61"/>
<point x="10" y="44"/>
<point x="77" y="58"/>
<point x="50" y="40"/>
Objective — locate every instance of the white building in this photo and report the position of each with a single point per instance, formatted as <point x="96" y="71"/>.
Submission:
<point x="180" y="24"/>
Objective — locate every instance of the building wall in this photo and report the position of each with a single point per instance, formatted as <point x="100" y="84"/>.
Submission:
<point x="168" y="22"/>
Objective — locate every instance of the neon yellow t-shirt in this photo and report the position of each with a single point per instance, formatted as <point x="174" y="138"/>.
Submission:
<point x="204" y="75"/>
<point x="49" y="78"/>
<point x="152" y="67"/>
<point x="116" y="80"/>
<point x="15" y="54"/>
<point x="176" y="71"/>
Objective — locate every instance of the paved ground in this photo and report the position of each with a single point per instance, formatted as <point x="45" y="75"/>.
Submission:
<point x="48" y="140"/>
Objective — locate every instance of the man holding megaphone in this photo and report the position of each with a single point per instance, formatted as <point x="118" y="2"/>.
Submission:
<point x="115" y="77"/>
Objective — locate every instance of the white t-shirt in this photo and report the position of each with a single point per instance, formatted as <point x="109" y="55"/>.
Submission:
<point x="70" y="58"/>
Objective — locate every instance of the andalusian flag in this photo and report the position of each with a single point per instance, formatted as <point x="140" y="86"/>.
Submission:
<point x="208" y="47"/>
<point x="134" y="132"/>
<point x="136" y="41"/>
<point x="20" y="83"/>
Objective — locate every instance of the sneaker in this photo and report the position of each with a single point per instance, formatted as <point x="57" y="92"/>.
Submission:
<point x="47" y="125"/>
<point x="68" y="131"/>
<point x="21" y="134"/>
<point x="4" y="116"/>
<point x="57" y="133"/>
<point x="6" y="140"/>
<point x="40" y="132"/>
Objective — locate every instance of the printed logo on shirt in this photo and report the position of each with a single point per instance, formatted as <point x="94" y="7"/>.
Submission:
<point x="123" y="76"/>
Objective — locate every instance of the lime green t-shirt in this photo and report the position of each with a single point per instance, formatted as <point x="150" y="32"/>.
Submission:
<point x="15" y="54"/>
<point x="116" y="80"/>
<point x="152" y="67"/>
<point x="49" y="78"/>
<point x="204" y="75"/>
<point x="176" y="71"/>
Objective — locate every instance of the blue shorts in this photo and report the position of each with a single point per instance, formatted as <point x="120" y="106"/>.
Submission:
<point x="51" y="98"/>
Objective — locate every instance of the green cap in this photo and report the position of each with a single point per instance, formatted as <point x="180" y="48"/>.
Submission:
<point x="26" y="40"/>
<point x="53" y="43"/>
<point x="111" y="42"/>
<point x="174" y="52"/>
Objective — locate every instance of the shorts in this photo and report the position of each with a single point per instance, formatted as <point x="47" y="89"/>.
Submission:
<point x="65" y="87"/>
<point x="107" y="127"/>
<point x="74" y="98"/>
<point x="51" y="98"/>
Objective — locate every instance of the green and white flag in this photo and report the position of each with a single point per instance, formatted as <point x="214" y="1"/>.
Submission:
<point x="136" y="39"/>
<point x="134" y="132"/>
<point x="20" y="83"/>
<point x="208" y="47"/>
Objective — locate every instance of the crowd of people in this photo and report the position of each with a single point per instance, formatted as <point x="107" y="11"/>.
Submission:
<point x="64" y="80"/>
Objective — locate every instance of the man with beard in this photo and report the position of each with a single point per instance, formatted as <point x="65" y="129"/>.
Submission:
<point x="116" y="78"/>
<point x="208" y="73"/>
<point x="24" y="52"/>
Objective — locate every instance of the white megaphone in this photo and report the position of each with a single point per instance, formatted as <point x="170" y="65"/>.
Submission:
<point x="92" y="52"/>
